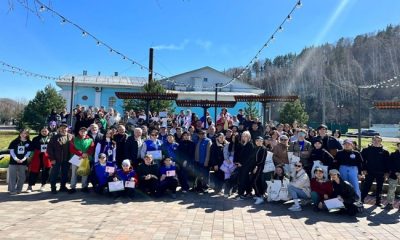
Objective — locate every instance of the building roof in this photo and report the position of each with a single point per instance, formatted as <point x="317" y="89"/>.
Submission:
<point x="103" y="81"/>
<point x="248" y="86"/>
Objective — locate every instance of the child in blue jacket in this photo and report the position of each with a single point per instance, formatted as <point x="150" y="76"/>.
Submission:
<point x="105" y="171"/>
<point x="169" y="178"/>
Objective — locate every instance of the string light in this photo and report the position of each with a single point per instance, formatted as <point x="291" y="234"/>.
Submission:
<point x="20" y="71"/>
<point x="384" y="84"/>
<point x="63" y="20"/>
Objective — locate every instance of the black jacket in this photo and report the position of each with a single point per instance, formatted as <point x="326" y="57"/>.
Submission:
<point x="186" y="150"/>
<point x="350" y="158"/>
<point x="344" y="190"/>
<point x="217" y="154"/>
<point x="131" y="149"/>
<point x="376" y="159"/>
<point x="243" y="155"/>
<point x="143" y="170"/>
<point x="322" y="155"/>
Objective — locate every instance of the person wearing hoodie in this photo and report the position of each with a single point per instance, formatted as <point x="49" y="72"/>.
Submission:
<point x="320" y="154"/>
<point x="321" y="189"/>
<point x="394" y="177"/>
<point x="218" y="153"/>
<point x="83" y="147"/>
<point x="350" y="164"/>
<point x="344" y="191"/>
<point x="376" y="163"/>
<point x="299" y="186"/>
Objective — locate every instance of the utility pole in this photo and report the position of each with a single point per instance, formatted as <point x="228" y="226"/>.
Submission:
<point x="150" y="80"/>
<point x="72" y="100"/>
<point x="323" y="100"/>
<point x="359" y="117"/>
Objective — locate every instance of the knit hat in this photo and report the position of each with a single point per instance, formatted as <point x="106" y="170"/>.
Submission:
<point x="126" y="163"/>
<point x="334" y="171"/>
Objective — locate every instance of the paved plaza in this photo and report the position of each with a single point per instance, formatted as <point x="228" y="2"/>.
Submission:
<point x="191" y="216"/>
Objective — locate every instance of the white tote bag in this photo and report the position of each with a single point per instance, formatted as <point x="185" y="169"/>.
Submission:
<point x="269" y="165"/>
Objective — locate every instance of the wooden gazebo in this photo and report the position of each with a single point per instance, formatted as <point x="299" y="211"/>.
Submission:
<point x="264" y="100"/>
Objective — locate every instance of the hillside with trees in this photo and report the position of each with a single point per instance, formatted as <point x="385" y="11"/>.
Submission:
<point x="338" y="68"/>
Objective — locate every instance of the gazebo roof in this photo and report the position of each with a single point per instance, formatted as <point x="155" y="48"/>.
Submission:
<point x="205" y="103"/>
<point x="387" y="105"/>
<point x="265" y="98"/>
<point x="146" y="96"/>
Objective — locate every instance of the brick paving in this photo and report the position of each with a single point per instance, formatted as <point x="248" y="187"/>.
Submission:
<point x="191" y="216"/>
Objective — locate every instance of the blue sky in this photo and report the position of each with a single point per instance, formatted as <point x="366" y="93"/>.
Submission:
<point x="187" y="34"/>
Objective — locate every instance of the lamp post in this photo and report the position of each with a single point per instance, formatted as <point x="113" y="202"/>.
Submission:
<point x="340" y="107"/>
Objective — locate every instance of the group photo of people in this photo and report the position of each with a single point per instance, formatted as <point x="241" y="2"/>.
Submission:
<point x="169" y="155"/>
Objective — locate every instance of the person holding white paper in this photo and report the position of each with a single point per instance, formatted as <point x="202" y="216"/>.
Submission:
<point x="83" y="147"/>
<point x="321" y="189"/>
<point x="168" y="178"/>
<point x="344" y="191"/>
<point x="126" y="174"/>
<point x="104" y="172"/>
<point x="152" y="146"/>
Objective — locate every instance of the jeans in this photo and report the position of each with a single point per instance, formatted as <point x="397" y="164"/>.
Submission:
<point x="296" y="193"/>
<point x="315" y="198"/>
<point x="55" y="171"/>
<point x="350" y="174"/>
<point x="16" y="177"/>
<point x="392" y="190"/>
<point x="74" y="178"/>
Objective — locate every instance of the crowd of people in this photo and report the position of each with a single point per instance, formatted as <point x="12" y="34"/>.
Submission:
<point x="237" y="157"/>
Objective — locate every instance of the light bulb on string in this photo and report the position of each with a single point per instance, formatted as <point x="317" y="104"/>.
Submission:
<point x="84" y="34"/>
<point x="98" y="43"/>
<point x="63" y="21"/>
<point x="42" y="8"/>
<point x="280" y="29"/>
<point x="289" y="17"/>
<point x="299" y="4"/>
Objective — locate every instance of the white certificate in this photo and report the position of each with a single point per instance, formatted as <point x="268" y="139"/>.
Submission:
<point x="333" y="203"/>
<point x="21" y="150"/>
<point x="157" y="155"/>
<point x="116" y="186"/>
<point x="75" y="160"/>
<point x="130" y="184"/>
<point x="170" y="173"/>
<point x="110" y="169"/>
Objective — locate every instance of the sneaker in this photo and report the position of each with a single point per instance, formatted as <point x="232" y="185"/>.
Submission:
<point x="72" y="190"/>
<point x="85" y="190"/>
<point x="295" y="208"/>
<point x="42" y="188"/>
<point x="29" y="189"/>
<point x="388" y="206"/>
<point x="259" y="200"/>
<point x="358" y="204"/>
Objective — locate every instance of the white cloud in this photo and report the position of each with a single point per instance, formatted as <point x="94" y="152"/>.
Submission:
<point x="175" y="47"/>
<point x="205" y="44"/>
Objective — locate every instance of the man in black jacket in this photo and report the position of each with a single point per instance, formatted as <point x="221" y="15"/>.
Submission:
<point x="133" y="146"/>
<point x="376" y="161"/>
<point x="148" y="175"/>
<point x="185" y="160"/>
<point x="394" y="177"/>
